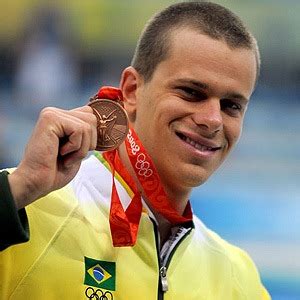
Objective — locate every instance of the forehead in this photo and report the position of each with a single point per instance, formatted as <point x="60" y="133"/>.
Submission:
<point x="187" y="38"/>
<point x="196" y="55"/>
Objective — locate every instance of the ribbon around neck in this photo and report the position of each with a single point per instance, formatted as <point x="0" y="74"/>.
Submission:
<point x="124" y="223"/>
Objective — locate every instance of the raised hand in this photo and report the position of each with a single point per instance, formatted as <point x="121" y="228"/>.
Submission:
<point x="59" y="142"/>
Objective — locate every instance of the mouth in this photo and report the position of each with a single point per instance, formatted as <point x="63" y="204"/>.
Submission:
<point x="202" y="146"/>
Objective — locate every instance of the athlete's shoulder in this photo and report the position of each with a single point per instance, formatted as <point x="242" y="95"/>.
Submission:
<point x="243" y="270"/>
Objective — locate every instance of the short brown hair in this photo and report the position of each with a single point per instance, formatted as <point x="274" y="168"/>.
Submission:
<point x="208" y="18"/>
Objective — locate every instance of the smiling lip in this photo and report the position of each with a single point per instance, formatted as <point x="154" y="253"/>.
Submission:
<point x="199" y="143"/>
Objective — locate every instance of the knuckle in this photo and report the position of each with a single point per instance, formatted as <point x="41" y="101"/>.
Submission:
<point x="47" y="110"/>
<point x="93" y="121"/>
<point x="87" y="109"/>
<point x="87" y="129"/>
<point x="48" y="113"/>
<point x="81" y="154"/>
<point x="93" y="144"/>
<point x="79" y="127"/>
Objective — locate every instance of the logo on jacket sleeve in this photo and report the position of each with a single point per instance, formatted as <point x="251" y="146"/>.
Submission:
<point x="100" y="274"/>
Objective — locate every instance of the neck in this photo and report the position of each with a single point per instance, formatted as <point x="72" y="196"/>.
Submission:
<point x="179" y="197"/>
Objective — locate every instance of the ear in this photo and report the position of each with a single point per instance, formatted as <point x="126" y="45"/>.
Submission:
<point x="131" y="80"/>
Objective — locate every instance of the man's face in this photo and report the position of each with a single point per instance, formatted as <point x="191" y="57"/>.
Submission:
<point x="190" y="114"/>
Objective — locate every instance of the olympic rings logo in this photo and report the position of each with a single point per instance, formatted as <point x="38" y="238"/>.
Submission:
<point x="143" y="166"/>
<point x="98" y="294"/>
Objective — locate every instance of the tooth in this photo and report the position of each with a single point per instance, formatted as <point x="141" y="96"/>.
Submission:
<point x="199" y="147"/>
<point x="196" y="145"/>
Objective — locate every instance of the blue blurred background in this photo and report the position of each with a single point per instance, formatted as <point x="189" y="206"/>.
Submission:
<point x="57" y="53"/>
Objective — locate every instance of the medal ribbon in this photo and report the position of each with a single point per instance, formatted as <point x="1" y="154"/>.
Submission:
<point x="124" y="223"/>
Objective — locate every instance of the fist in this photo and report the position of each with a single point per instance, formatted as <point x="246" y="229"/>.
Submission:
<point x="59" y="142"/>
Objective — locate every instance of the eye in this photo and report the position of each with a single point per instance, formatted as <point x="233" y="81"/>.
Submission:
<point x="230" y="106"/>
<point x="191" y="94"/>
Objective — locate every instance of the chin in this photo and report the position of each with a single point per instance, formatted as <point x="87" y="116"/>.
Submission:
<point x="193" y="180"/>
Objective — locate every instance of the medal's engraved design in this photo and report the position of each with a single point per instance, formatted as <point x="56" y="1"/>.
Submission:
<point x="112" y="123"/>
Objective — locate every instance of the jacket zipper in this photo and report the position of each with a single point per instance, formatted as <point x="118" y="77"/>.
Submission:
<point x="163" y="265"/>
<point x="163" y="279"/>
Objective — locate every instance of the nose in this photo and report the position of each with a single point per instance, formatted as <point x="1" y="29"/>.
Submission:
<point x="208" y="115"/>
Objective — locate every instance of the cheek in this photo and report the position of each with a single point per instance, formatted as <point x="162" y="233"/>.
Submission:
<point x="233" y="132"/>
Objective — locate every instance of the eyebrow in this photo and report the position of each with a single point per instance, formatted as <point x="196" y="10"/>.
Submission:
<point x="237" y="97"/>
<point x="205" y="86"/>
<point x="195" y="83"/>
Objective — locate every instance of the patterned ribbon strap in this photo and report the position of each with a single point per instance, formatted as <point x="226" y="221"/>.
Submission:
<point x="124" y="223"/>
<point x="149" y="179"/>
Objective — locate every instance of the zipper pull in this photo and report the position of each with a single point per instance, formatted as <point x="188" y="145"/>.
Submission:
<point x="163" y="279"/>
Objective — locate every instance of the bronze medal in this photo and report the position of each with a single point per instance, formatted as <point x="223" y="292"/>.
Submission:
<point x="112" y="123"/>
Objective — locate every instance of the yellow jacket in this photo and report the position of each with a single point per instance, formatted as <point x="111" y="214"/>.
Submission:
<point x="70" y="253"/>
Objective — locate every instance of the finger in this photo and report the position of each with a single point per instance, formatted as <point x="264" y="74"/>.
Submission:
<point x="82" y="139"/>
<point x="69" y="127"/>
<point x="72" y="142"/>
<point x="86" y="114"/>
<point x="85" y="109"/>
<point x="83" y="118"/>
<point x="78" y="155"/>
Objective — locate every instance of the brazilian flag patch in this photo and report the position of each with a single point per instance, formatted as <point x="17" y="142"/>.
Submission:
<point x="100" y="273"/>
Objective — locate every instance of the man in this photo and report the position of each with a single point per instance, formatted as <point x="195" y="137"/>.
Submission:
<point x="186" y="94"/>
